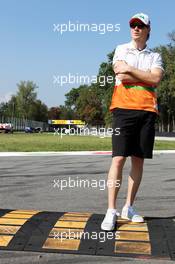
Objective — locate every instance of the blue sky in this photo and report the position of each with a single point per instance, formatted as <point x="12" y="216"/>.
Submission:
<point x="31" y="50"/>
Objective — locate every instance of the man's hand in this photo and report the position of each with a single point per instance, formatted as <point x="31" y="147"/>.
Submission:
<point x="121" y="67"/>
<point x="124" y="77"/>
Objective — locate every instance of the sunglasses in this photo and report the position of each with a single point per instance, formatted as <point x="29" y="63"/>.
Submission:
<point x="140" y="26"/>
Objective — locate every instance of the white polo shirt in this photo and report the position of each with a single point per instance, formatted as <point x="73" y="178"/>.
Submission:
<point x="143" y="60"/>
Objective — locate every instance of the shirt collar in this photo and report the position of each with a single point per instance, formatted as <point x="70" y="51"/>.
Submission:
<point x="131" y="47"/>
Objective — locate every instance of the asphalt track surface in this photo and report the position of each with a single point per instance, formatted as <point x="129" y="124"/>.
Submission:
<point x="30" y="183"/>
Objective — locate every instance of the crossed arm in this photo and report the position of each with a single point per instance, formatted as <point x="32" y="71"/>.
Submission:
<point x="127" y="73"/>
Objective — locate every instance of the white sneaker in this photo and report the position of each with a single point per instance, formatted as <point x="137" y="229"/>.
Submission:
<point x="109" y="220"/>
<point x="131" y="214"/>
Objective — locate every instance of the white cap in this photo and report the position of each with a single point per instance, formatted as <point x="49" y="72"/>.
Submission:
<point x="141" y="17"/>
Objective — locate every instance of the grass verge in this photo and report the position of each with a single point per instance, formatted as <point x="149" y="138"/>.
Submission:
<point x="49" y="142"/>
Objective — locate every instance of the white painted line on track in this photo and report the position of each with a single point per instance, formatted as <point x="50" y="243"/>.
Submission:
<point x="69" y="153"/>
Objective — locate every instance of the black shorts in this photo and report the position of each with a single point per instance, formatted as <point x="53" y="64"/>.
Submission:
<point x="133" y="133"/>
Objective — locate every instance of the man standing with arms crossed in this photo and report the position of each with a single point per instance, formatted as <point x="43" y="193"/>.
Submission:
<point x="134" y="106"/>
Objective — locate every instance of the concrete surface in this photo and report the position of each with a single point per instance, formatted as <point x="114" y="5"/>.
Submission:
<point x="28" y="183"/>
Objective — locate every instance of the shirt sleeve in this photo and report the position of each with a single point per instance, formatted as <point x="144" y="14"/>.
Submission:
<point x="157" y="62"/>
<point x="119" y="54"/>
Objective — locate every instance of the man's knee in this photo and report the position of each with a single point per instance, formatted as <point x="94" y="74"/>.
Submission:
<point x="118" y="161"/>
<point x="136" y="161"/>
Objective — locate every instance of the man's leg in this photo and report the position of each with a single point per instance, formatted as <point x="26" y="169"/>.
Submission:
<point x="114" y="182"/>
<point x="128" y="212"/>
<point x="134" y="179"/>
<point x="115" y="179"/>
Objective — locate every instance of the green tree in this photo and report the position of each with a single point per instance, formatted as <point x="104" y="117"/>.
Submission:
<point x="166" y="89"/>
<point x="72" y="96"/>
<point x="54" y="113"/>
<point x="38" y="111"/>
<point x="25" y="104"/>
<point x="12" y="109"/>
<point x="26" y="97"/>
<point x="105" y="91"/>
<point x="89" y="107"/>
<point x="3" y="109"/>
<point x="67" y="113"/>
